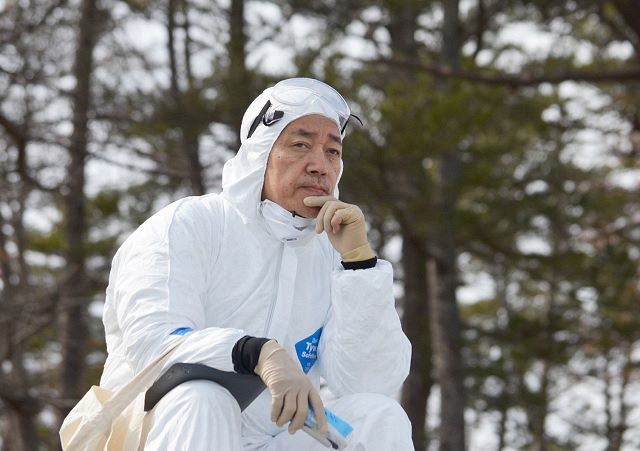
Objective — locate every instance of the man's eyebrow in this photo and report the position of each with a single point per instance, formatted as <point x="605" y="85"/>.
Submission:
<point x="309" y="134"/>
<point x="335" y="138"/>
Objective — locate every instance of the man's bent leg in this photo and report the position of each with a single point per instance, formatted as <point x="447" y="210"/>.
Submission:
<point x="195" y="416"/>
<point x="379" y="424"/>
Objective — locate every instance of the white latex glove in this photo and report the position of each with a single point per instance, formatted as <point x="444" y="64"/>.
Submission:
<point x="345" y="227"/>
<point x="291" y="390"/>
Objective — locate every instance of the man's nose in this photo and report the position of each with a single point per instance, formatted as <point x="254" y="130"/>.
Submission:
<point x="317" y="163"/>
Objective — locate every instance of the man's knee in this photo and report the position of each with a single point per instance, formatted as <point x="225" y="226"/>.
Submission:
<point x="195" y="416"/>
<point x="373" y="408"/>
<point x="381" y="405"/>
<point x="379" y="422"/>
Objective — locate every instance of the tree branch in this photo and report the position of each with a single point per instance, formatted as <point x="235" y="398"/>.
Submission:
<point x="629" y="74"/>
<point x="176" y="175"/>
<point x="19" y="399"/>
<point x="13" y="130"/>
<point x="48" y="12"/>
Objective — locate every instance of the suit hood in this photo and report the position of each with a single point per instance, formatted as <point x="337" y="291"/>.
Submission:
<point x="243" y="175"/>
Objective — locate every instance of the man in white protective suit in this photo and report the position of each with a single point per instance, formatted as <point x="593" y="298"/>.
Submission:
<point x="275" y="277"/>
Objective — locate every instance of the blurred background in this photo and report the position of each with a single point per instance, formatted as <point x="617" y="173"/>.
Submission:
<point x="498" y="166"/>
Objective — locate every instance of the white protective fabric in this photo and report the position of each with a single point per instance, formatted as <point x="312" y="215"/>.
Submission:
<point x="231" y="265"/>
<point x="379" y="423"/>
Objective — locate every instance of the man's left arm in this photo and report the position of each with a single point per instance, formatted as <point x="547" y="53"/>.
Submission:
<point x="362" y="347"/>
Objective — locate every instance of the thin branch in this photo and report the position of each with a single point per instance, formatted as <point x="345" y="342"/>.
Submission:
<point x="34" y="183"/>
<point x="20" y="140"/>
<point x="134" y="168"/>
<point x="13" y="130"/>
<point x="480" y="29"/>
<point x="19" y="399"/>
<point x="49" y="11"/>
<point x="629" y="74"/>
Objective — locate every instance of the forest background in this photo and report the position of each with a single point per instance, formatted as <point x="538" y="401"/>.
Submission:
<point x="497" y="166"/>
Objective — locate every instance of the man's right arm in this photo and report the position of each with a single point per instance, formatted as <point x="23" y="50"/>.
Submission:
<point x="159" y="288"/>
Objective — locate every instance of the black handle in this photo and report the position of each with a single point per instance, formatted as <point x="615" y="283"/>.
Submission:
<point x="244" y="387"/>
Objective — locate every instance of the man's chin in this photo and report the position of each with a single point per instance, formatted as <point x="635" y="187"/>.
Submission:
<point x="306" y="212"/>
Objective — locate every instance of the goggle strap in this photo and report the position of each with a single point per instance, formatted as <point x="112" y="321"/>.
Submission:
<point x="347" y="121"/>
<point x="266" y="106"/>
<point x="258" y="119"/>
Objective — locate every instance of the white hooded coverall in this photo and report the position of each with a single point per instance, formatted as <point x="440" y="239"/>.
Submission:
<point x="218" y="267"/>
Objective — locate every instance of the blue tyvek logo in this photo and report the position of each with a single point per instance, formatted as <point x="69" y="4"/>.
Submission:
<point x="307" y="350"/>
<point x="181" y="331"/>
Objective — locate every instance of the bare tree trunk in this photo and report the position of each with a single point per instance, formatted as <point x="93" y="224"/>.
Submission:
<point x="7" y="430"/>
<point x="445" y="319"/>
<point x="13" y="432"/>
<point x="171" y="49"/>
<point x="502" y="429"/>
<point x="615" y="430"/>
<point x="415" y="322"/>
<point x="238" y="80"/>
<point x="538" y="413"/>
<point x="22" y="408"/>
<point x="417" y="388"/>
<point x="73" y="312"/>
<point x="446" y="337"/>
<point x="188" y="43"/>
<point x="189" y="134"/>
<point x="628" y="11"/>
<point x="501" y="279"/>
<point x="538" y="410"/>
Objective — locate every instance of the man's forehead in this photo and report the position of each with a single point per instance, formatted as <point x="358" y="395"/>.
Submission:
<point x="305" y="133"/>
<point x="312" y="126"/>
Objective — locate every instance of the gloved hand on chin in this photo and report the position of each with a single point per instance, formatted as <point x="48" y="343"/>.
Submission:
<point x="291" y="390"/>
<point x="345" y="227"/>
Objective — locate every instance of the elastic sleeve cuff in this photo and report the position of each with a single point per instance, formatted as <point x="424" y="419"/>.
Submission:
<point x="245" y="354"/>
<point x="364" y="264"/>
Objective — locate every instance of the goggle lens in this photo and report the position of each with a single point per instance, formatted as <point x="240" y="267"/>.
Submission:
<point x="296" y="91"/>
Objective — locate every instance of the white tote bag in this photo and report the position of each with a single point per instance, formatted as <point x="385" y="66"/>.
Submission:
<point x="105" y="420"/>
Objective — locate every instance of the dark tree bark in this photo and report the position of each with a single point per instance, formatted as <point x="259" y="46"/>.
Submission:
<point x="629" y="13"/>
<point x="189" y="133"/>
<point x="22" y="408"/>
<point x="415" y="322"/>
<point x="188" y="45"/>
<point x="615" y="430"/>
<point x="537" y="414"/>
<point x="445" y="319"/>
<point x="74" y="299"/>
<point x="238" y="80"/>
<point x="628" y="74"/>
<point x="171" y="48"/>
<point x="415" y="394"/>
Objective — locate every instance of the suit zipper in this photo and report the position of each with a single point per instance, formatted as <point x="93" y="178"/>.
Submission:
<point x="274" y="300"/>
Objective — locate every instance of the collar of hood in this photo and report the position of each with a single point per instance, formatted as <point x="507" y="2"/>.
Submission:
<point x="243" y="175"/>
<point x="285" y="226"/>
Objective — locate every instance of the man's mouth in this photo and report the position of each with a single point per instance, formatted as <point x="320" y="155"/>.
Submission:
<point x="316" y="190"/>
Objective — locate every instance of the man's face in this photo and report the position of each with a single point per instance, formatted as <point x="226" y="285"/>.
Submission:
<point x="304" y="161"/>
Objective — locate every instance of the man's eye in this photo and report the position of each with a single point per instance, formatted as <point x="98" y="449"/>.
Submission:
<point x="300" y="145"/>
<point x="334" y="152"/>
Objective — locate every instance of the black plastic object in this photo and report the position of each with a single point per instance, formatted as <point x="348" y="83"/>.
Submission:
<point x="244" y="387"/>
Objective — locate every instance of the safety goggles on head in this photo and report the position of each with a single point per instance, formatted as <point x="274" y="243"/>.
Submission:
<point x="297" y="92"/>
